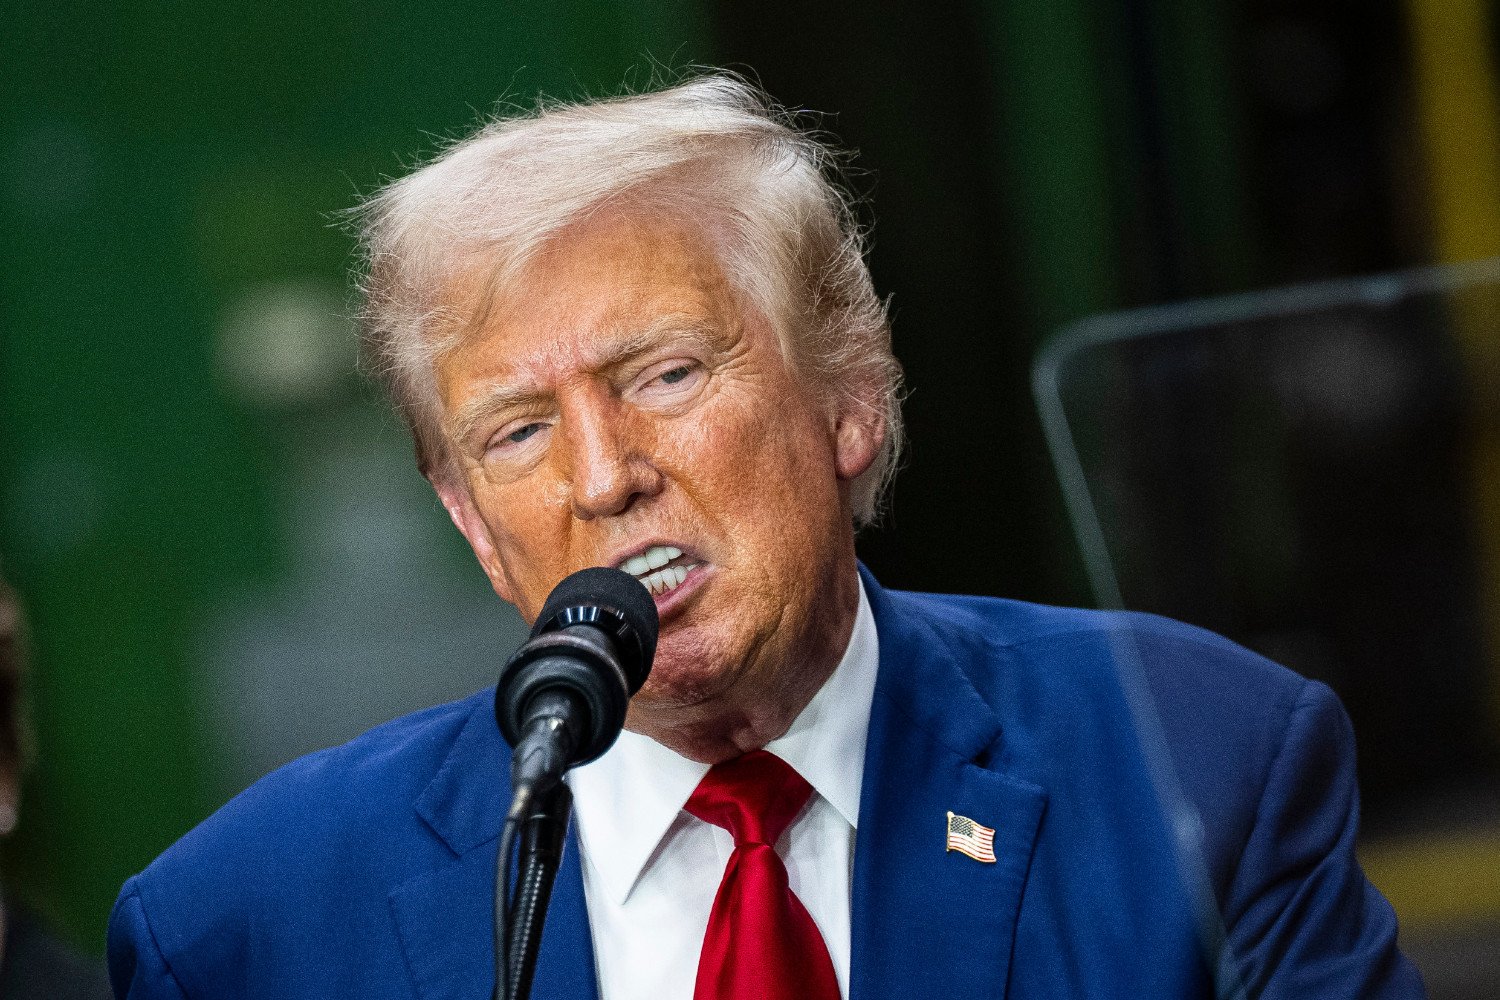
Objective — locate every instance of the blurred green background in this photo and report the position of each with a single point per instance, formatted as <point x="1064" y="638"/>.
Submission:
<point x="225" y="553"/>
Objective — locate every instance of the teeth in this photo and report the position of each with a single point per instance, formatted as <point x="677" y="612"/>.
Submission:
<point x="664" y="580"/>
<point x="655" y="557"/>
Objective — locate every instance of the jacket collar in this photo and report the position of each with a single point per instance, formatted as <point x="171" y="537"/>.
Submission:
<point x="927" y="921"/>
<point x="464" y="802"/>
<point x="443" y="916"/>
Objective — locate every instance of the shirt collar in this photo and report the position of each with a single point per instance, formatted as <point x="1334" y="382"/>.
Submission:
<point x="628" y="799"/>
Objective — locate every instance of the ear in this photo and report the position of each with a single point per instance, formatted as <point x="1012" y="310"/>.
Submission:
<point x="460" y="506"/>
<point x="859" y="433"/>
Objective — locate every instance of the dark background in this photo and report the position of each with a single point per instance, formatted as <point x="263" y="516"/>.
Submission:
<point x="226" y="555"/>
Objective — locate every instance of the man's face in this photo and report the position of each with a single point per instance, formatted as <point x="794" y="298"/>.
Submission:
<point x="625" y="404"/>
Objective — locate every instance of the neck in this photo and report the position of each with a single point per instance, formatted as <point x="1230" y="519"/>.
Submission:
<point x="765" y="704"/>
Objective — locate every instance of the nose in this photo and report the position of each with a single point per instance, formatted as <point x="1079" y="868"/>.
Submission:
<point x="610" y="466"/>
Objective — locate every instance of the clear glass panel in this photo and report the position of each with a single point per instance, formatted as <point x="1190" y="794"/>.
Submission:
<point x="1315" y="473"/>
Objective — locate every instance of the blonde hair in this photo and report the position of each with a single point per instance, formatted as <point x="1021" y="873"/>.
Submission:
<point x="713" y="152"/>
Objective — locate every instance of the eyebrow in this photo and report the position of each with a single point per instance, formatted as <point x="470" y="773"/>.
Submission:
<point x="620" y="349"/>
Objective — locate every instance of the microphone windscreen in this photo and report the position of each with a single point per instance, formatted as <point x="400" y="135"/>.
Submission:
<point x="600" y="586"/>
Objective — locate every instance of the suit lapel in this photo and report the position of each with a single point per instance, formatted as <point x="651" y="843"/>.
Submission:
<point x="926" y="921"/>
<point x="443" y="916"/>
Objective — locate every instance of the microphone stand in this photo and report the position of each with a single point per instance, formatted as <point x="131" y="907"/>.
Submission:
<point x="543" y="832"/>
<point x="560" y="702"/>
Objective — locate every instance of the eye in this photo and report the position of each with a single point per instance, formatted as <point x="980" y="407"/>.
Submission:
<point x="522" y="433"/>
<point x="516" y="440"/>
<point x="669" y="381"/>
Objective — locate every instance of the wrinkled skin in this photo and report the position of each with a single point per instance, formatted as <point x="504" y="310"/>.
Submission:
<point x="627" y="397"/>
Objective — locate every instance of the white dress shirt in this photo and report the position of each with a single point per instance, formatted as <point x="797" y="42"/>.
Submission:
<point x="651" y="871"/>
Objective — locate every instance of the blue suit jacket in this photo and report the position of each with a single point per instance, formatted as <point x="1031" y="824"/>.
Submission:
<point x="366" y="871"/>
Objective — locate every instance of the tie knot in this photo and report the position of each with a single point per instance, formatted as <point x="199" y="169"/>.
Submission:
<point x="754" y="796"/>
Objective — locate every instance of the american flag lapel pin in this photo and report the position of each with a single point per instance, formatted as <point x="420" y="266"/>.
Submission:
<point x="968" y="837"/>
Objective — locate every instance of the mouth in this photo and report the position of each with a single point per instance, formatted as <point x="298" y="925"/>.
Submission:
<point x="660" y="568"/>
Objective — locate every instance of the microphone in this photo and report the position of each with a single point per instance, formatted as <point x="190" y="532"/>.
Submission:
<point x="560" y="702"/>
<point x="561" y="698"/>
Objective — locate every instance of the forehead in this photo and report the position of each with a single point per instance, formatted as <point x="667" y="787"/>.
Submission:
<point x="614" y="276"/>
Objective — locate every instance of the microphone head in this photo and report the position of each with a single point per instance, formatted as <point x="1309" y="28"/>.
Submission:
<point x="614" y="602"/>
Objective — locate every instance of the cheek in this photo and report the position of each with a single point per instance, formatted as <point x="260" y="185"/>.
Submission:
<point x="768" y="469"/>
<point x="529" y="532"/>
<point x="727" y="464"/>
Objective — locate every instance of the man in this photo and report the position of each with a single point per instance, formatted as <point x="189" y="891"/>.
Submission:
<point x="640" y="333"/>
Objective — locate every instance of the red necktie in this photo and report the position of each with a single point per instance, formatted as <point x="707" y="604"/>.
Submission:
<point x="761" y="943"/>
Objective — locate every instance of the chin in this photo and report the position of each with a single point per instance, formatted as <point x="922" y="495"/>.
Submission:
<point x="684" y="674"/>
<point x="669" y="686"/>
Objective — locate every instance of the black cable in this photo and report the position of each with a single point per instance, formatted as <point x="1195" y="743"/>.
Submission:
<point x="529" y="899"/>
<point x="542" y="837"/>
<point x="503" y="849"/>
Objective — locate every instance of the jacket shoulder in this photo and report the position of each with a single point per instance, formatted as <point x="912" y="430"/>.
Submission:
<point x="340" y="819"/>
<point x="335" y="793"/>
<point x="1056" y="645"/>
